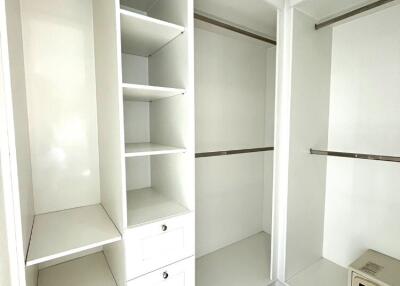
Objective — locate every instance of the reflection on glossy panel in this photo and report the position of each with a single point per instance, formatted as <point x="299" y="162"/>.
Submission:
<point x="58" y="47"/>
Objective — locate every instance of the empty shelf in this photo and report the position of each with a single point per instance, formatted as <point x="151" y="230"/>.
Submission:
<point x="62" y="233"/>
<point x="147" y="205"/>
<point x="324" y="272"/>
<point x="246" y="262"/>
<point x="86" y="271"/>
<point x="148" y="93"/>
<point x="143" y="35"/>
<point x="145" y="149"/>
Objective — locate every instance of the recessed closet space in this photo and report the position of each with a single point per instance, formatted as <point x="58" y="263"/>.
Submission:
<point x="66" y="188"/>
<point x="234" y="101"/>
<point x="343" y="194"/>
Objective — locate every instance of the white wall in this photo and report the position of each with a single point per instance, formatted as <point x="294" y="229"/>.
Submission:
<point x="269" y="138"/>
<point x="4" y="267"/>
<point x="363" y="198"/>
<point x="230" y="74"/>
<point x="309" y="129"/>
<point x="61" y="92"/>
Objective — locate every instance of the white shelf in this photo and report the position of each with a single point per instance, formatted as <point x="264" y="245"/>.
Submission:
<point x="324" y="272"/>
<point x="66" y="232"/>
<point x="143" y="35"/>
<point x="86" y="271"/>
<point x="148" y="93"/>
<point x="147" y="205"/>
<point x="147" y="149"/>
<point x="246" y="262"/>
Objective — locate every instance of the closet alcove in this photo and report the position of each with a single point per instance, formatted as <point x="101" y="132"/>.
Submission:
<point x="235" y="103"/>
<point x="100" y="96"/>
<point x="343" y="167"/>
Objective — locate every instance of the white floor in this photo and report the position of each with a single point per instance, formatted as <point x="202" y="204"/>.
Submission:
<point x="244" y="263"/>
<point x="324" y="272"/>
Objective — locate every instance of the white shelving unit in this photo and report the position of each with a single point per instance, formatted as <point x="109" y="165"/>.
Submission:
<point x="140" y="92"/>
<point x="243" y="263"/>
<point x="149" y="149"/>
<point x="62" y="233"/>
<point x="86" y="271"/>
<point x="143" y="35"/>
<point x="147" y="206"/>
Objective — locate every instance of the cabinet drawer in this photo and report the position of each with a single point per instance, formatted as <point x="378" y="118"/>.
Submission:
<point x="177" y="274"/>
<point x="155" y="245"/>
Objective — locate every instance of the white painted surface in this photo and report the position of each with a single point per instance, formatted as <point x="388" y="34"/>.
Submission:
<point x="281" y="141"/>
<point x="135" y="69"/>
<point x="143" y="35"/>
<point x="66" y="232"/>
<point x="256" y="15"/>
<point x="150" y="247"/>
<point x="147" y="205"/>
<point x="138" y="173"/>
<point x="148" y="149"/>
<point x="136" y="122"/>
<point x="309" y="129"/>
<point x="269" y="139"/>
<point x="15" y="151"/>
<point x="236" y="92"/>
<point x="23" y="180"/>
<point x="5" y="275"/>
<point x="109" y="110"/>
<point x="323" y="272"/>
<point x="169" y="65"/>
<point x="91" y="270"/>
<point x="148" y="93"/>
<point x="179" y="274"/>
<point x="231" y="113"/>
<point x="229" y="200"/>
<point x="143" y="5"/>
<point x="61" y="95"/>
<point x="243" y="263"/>
<point x="363" y="202"/>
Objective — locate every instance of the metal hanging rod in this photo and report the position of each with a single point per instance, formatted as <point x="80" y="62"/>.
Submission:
<point x="232" y="152"/>
<point x="356" y="155"/>
<point x="352" y="13"/>
<point x="233" y="28"/>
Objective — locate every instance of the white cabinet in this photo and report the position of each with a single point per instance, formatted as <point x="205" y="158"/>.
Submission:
<point x="177" y="274"/>
<point x="155" y="245"/>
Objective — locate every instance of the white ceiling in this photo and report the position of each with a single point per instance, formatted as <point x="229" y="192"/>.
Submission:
<point x="255" y="15"/>
<point x="323" y="9"/>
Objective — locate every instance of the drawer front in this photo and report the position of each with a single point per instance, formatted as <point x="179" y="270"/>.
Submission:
<point x="155" y="245"/>
<point x="178" y="274"/>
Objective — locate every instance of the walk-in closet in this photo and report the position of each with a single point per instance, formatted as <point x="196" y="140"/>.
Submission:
<point x="199" y="142"/>
<point x="234" y="108"/>
<point x="344" y="129"/>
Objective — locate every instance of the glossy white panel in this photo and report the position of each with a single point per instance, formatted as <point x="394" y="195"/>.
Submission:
<point x="363" y="199"/>
<point x="229" y="103"/>
<point x="59" y="54"/>
<point x="309" y="127"/>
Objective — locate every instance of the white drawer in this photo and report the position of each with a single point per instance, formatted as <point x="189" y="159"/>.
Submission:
<point x="155" y="245"/>
<point x="177" y="274"/>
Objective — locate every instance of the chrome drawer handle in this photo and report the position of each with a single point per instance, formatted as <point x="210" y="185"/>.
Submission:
<point x="164" y="227"/>
<point x="165" y="275"/>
